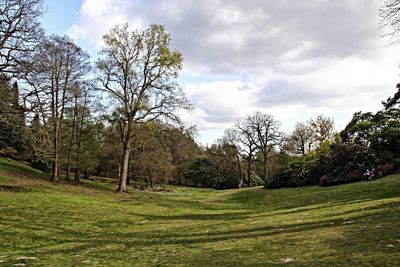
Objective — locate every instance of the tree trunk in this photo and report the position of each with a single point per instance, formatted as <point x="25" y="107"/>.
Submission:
<point x="249" y="183"/>
<point x="151" y="180"/>
<point x="77" y="168"/>
<point x="72" y="139"/>
<point x="128" y="177"/>
<point x="86" y="173"/>
<point x="55" y="174"/>
<point x="124" y="170"/>
<point x="179" y="175"/>
<point x="79" y="133"/>
<point x="265" y="167"/>
<point x="240" y="171"/>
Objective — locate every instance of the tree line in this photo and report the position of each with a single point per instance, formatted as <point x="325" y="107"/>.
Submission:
<point x="118" y="118"/>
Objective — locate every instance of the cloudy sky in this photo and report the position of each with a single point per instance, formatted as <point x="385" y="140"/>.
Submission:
<point x="292" y="59"/>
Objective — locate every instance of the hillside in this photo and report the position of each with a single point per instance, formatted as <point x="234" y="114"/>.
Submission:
<point x="90" y="225"/>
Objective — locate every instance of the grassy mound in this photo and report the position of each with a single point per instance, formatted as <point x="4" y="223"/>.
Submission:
<point x="71" y="225"/>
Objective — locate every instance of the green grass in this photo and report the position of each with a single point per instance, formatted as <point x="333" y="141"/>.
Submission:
<point x="69" y="225"/>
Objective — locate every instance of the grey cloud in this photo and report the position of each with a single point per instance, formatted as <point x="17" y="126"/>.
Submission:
<point x="236" y="37"/>
<point x="232" y="37"/>
<point x="285" y="93"/>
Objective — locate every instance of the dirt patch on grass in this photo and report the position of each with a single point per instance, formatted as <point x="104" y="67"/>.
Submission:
<point x="14" y="188"/>
<point x="160" y="189"/>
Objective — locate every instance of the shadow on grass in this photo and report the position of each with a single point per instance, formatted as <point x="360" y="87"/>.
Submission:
<point x="378" y="225"/>
<point x="201" y="217"/>
<point x="293" y="198"/>
<point x="19" y="169"/>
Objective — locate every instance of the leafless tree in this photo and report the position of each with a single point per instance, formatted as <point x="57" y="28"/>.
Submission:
<point x="301" y="140"/>
<point x="138" y="70"/>
<point x="248" y="139"/>
<point x="390" y="19"/>
<point x="57" y="66"/>
<point x="232" y="138"/>
<point x="268" y="136"/>
<point x="82" y="112"/>
<point x="19" y="32"/>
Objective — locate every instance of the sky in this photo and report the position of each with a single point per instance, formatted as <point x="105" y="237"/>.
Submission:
<point x="292" y="59"/>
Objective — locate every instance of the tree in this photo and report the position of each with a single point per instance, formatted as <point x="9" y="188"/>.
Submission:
<point x="183" y="149"/>
<point x="12" y="119"/>
<point x="379" y="131"/>
<point x="202" y="172"/>
<point x="19" y="32"/>
<point x="390" y="18"/>
<point x="58" y="65"/>
<point x="391" y="102"/>
<point x="151" y="157"/>
<point x="38" y="141"/>
<point x="82" y="115"/>
<point x="223" y="157"/>
<point x="247" y="137"/>
<point x="72" y="127"/>
<point x="138" y="70"/>
<point x="268" y="136"/>
<point x="231" y="139"/>
<point x="302" y="139"/>
<point x="323" y="128"/>
<point x="82" y="134"/>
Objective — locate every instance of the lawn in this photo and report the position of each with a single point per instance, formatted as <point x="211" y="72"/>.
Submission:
<point x="89" y="225"/>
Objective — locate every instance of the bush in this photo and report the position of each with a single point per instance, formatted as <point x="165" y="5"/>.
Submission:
<point x="256" y="180"/>
<point x="8" y="152"/>
<point x="347" y="162"/>
<point x="41" y="163"/>
<point x="203" y="173"/>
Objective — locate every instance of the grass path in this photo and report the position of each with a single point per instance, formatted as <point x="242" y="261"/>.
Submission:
<point x="68" y="225"/>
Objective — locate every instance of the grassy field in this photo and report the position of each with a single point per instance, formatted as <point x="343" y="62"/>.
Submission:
<point x="69" y="225"/>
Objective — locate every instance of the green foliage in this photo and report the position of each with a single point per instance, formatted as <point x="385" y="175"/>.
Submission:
<point x="12" y="120"/>
<point x="203" y="173"/>
<point x="347" y="162"/>
<point x="224" y="157"/>
<point x="303" y="170"/>
<point x="329" y="164"/>
<point x="379" y="131"/>
<point x="256" y="180"/>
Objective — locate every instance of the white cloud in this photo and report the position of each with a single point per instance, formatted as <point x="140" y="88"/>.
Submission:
<point x="295" y="59"/>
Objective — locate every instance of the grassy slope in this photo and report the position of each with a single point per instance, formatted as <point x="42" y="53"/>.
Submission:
<point x="68" y="225"/>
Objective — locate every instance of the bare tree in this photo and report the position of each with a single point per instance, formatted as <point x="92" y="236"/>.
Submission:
<point x="301" y="140"/>
<point x="82" y="113"/>
<point x="72" y="139"/>
<point x="57" y="66"/>
<point x="232" y="138"/>
<point x="19" y="32"/>
<point x="268" y="136"/>
<point x="248" y="139"/>
<point x="390" y="18"/>
<point x="138" y="71"/>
